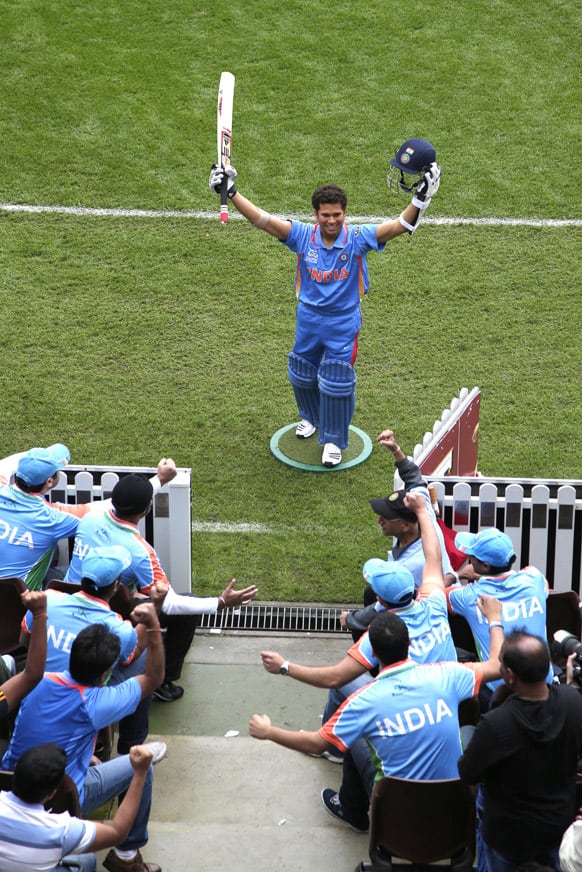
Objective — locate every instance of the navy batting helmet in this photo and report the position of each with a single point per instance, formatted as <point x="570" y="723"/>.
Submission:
<point x="413" y="157"/>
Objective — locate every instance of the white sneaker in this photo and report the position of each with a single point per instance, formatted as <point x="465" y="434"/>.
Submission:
<point x="305" y="429"/>
<point x="9" y="663"/>
<point x="332" y="455"/>
<point x="158" y="749"/>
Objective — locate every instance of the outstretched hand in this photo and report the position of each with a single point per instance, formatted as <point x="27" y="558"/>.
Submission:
<point x="233" y="598"/>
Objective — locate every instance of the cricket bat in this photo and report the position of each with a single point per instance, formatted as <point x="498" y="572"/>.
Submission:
<point x="224" y="134"/>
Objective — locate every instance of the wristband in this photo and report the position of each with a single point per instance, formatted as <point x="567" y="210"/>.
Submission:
<point x="231" y="191"/>
<point x="154" y="630"/>
<point x="222" y="600"/>
<point x="40" y="615"/>
<point x="495" y="624"/>
<point x="410" y="227"/>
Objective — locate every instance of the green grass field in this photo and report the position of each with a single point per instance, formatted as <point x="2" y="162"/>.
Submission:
<point x="133" y="337"/>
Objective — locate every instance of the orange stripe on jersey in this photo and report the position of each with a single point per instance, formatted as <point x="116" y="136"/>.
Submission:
<point x="298" y="276"/>
<point x="79" y="510"/>
<point x="60" y="678"/>
<point x="361" y="276"/>
<point x="326" y="730"/>
<point x="355" y="653"/>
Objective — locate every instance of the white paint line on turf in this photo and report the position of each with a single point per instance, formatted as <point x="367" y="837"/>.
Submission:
<point x="81" y="211"/>
<point x="269" y="529"/>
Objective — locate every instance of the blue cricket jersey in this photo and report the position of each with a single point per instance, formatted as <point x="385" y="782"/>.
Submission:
<point x="68" y="614"/>
<point x="409" y="717"/>
<point x="336" y="278"/>
<point x="523" y="597"/>
<point x="428" y="625"/>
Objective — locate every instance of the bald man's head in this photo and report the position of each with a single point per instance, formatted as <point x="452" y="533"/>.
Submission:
<point x="526" y="655"/>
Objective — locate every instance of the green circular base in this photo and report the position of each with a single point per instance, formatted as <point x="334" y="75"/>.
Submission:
<point x="306" y="453"/>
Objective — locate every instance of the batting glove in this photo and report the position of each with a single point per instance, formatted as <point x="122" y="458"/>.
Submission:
<point x="217" y="174"/>
<point x="427" y="186"/>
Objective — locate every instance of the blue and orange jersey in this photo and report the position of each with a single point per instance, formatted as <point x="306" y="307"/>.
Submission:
<point x="70" y="714"/>
<point x="97" y="529"/>
<point x="429" y="630"/>
<point x="409" y="717"/>
<point x="29" y="531"/>
<point x="68" y="615"/>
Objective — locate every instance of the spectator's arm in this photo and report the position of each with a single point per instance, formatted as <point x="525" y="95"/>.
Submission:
<point x="432" y="573"/>
<point x="408" y="471"/>
<point x="260" y="727"/>
<point x="115" y="831"/>
<point x="489" y="669"/>
<point x="317" y="676"/>
<point x="16" y="688"/>
<point x="155" y="660"/>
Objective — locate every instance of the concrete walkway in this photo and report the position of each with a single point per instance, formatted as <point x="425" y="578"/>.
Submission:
<point x="237" y="803"/>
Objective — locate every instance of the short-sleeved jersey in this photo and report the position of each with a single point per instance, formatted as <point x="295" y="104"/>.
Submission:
<point x="71" y="715"/>
<point x="409" y="717"/>
<point x="523" y="597"/>
<point x="35" y="840"/>
<point x="429" y="630"/>
<point x="29" y="532"/>
<point x="68" y="614"/>
<point x="103" y="528"/>
<point x="336" y="278"/>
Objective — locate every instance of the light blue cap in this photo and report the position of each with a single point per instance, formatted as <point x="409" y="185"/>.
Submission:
<point x="391" y="582"/>
<point x="489" y="546"/>
<point x="104" y="565"/>
<point x="38" y="464"/>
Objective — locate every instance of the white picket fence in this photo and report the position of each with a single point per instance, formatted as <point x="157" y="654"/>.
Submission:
<point x="542" y="518"/>
<point x="168" y="527"/>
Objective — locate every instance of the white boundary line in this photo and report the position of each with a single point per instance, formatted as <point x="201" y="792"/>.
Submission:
<point x="212" y="216"/>
<point x="255" y="527"/>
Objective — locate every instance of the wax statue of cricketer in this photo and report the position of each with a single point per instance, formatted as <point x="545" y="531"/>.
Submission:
<point x="331" y="279"/>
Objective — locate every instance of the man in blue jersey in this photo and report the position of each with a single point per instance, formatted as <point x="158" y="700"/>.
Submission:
<point x="426" y="618"/>
<point x="331" y="279"/>
<point x="408" y="716"/>
<point x="30" y="527"/>
<point x="131" y="500"/>
<point x="73" y="705"/>
<point x="68" y="614"/>
<point x="522" y="593"/>
<point x="35" y="840"/>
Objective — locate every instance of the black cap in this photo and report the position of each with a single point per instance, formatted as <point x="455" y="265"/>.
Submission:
<point x="132" y="494"/>
<point x="393" y="506"/>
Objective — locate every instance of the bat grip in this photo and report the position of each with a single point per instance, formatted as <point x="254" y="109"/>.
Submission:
<point x="224" y="200"/>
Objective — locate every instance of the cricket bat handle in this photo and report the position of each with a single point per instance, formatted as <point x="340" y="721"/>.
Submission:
<point x="224" y="200"/>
